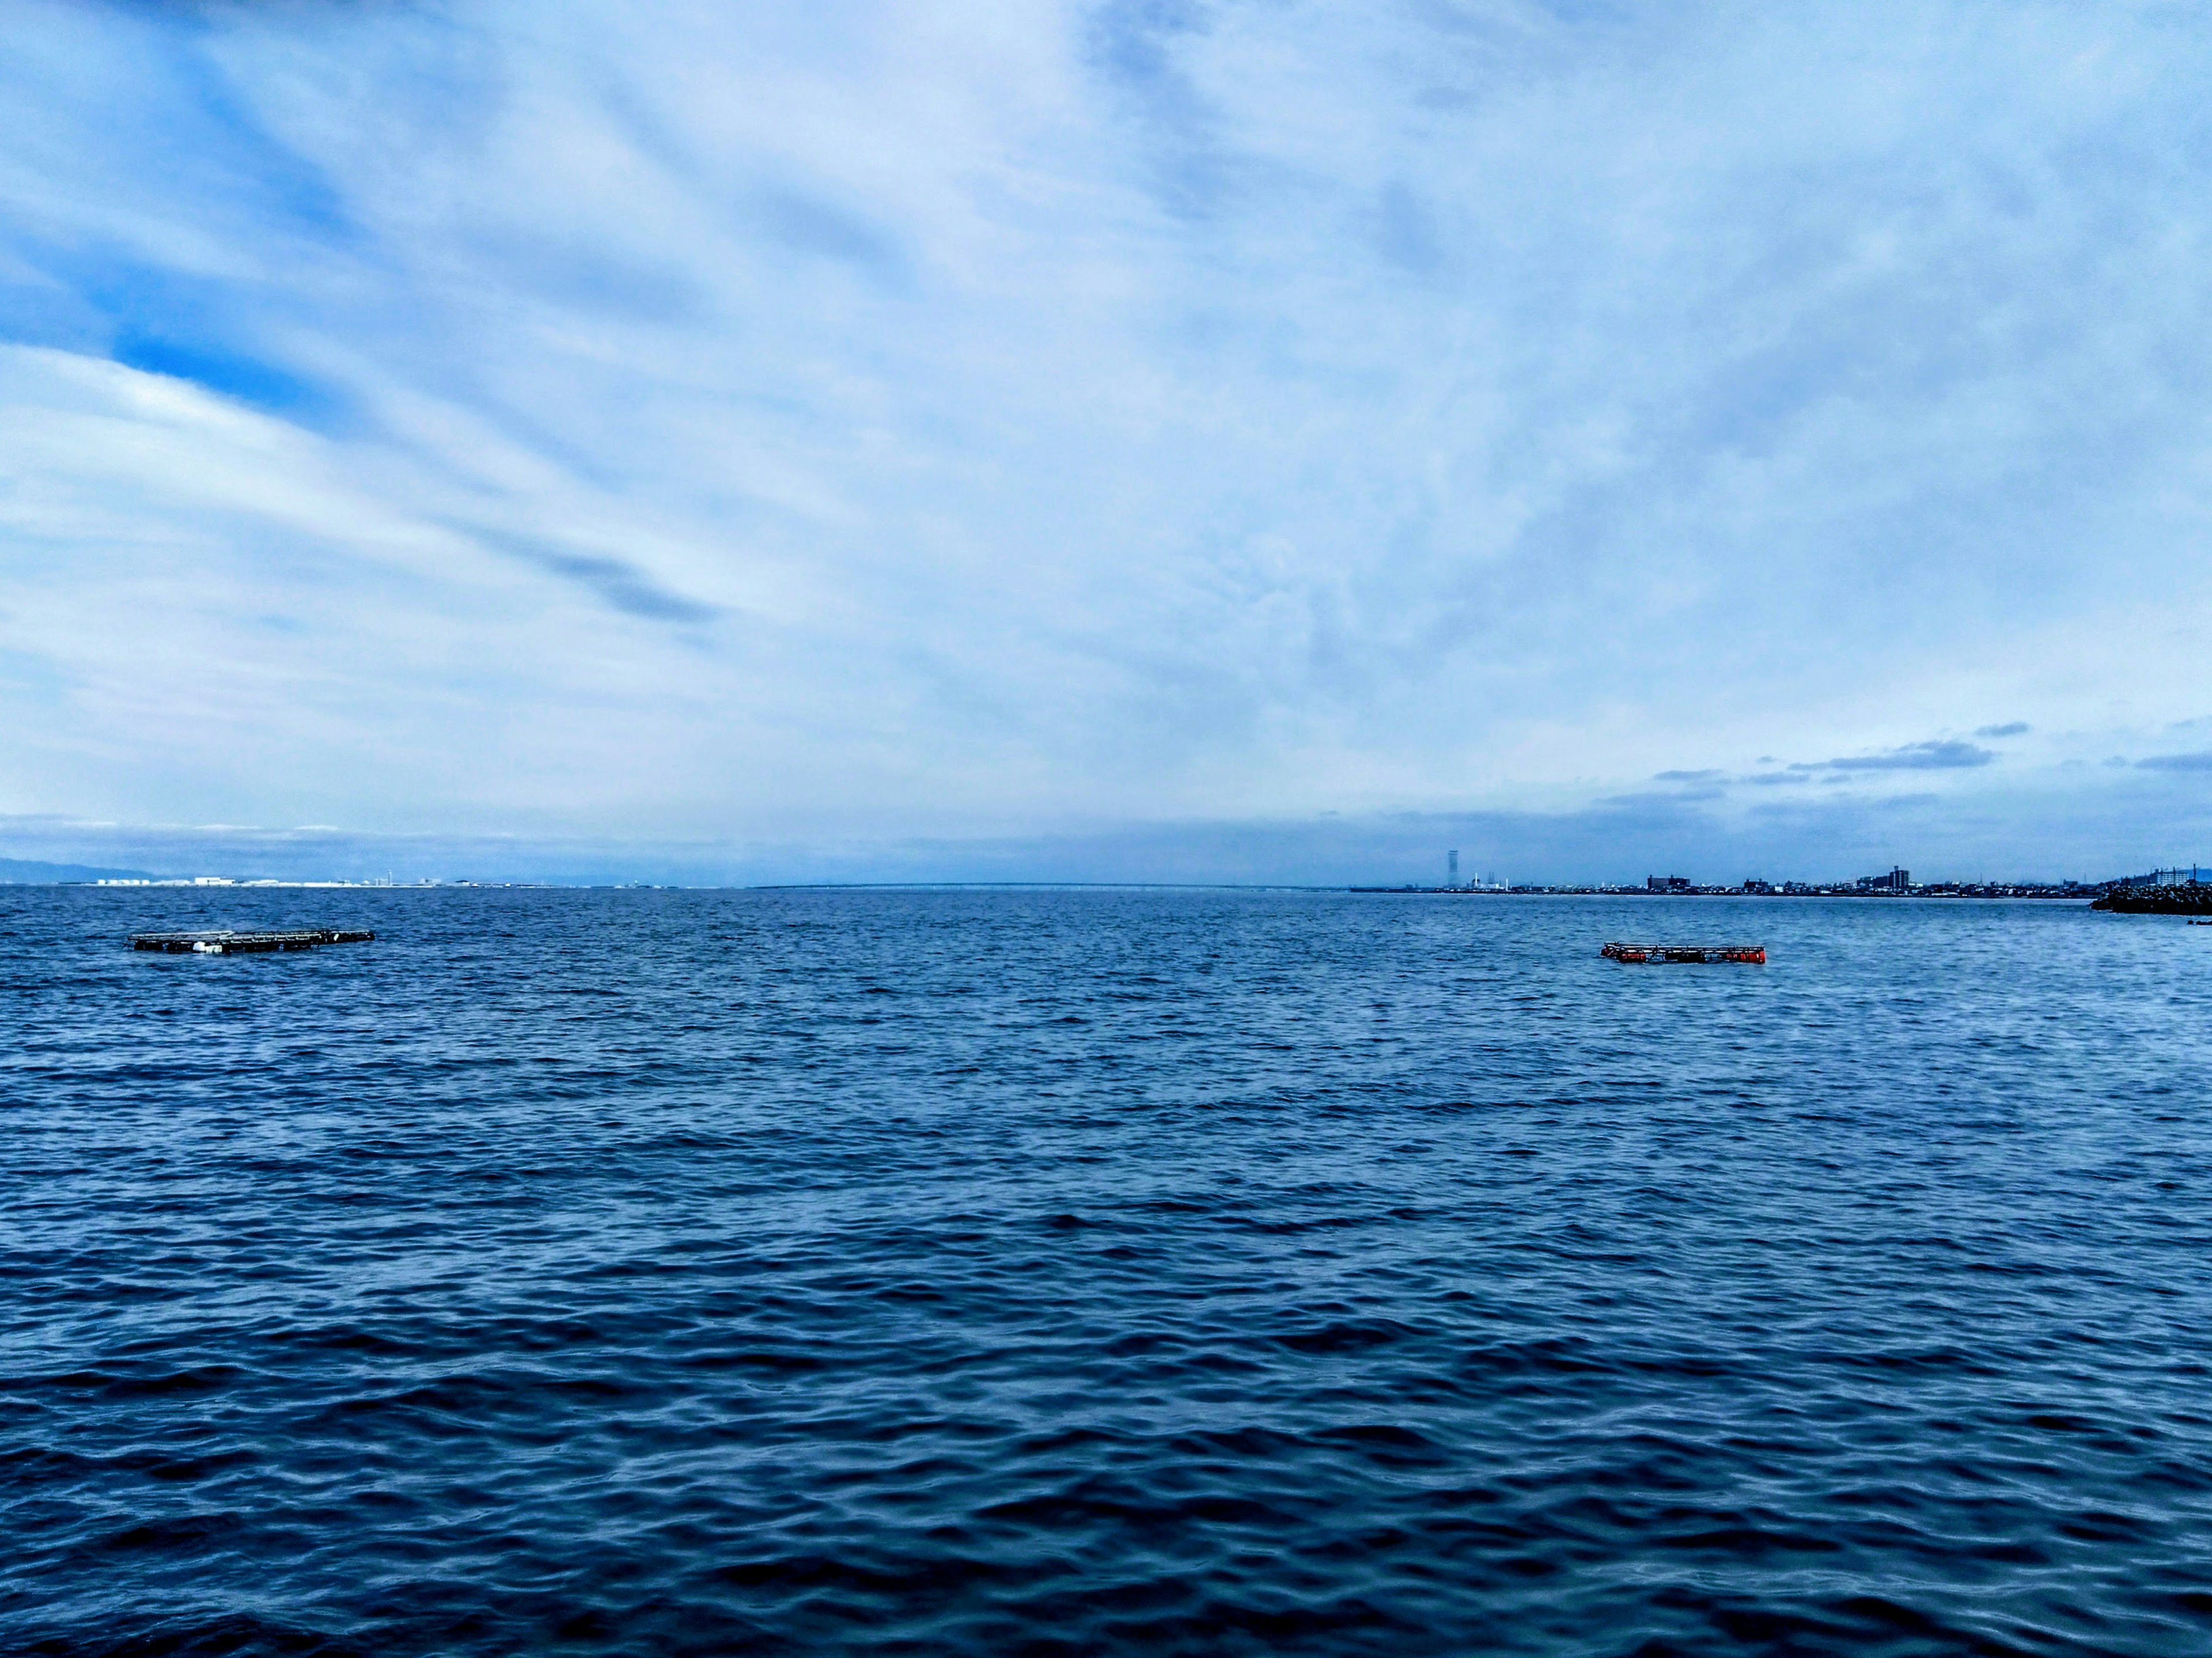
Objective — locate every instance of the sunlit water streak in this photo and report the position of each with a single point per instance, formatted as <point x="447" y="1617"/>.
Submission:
<point x="1095" y="1271"/>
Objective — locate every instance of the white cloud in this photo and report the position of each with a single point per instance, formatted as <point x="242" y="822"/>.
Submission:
<point x="678" y="422"/>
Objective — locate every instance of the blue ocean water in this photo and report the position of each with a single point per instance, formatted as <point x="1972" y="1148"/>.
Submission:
<point x="1071" y="1272"/>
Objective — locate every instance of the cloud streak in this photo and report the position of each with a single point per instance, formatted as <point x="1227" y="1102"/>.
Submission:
<point x="973" y="422"/>
<point x="1947" y="755"/>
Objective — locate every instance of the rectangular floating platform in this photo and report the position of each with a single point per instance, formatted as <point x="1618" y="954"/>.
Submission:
<point x="1754" y="954"/>
<point x="227" y="942"/>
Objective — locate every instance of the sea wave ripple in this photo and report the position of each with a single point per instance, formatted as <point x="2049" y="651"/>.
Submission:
<point x="1068" y="1272"/>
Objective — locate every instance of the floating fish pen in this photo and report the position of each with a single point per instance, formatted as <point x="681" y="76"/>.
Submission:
<point x="229" y="942"/>
<point x="1753" y="954"/>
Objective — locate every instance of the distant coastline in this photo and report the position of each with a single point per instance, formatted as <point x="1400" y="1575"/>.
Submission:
<point x="31" y="872"/>
<point x="2075" y="890"/>
<point x="2162" y="892"/>
<point x="2128" y="890"/>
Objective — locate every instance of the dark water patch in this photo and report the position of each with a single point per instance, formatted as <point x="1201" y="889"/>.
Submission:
<point x="1216" y="1274"/>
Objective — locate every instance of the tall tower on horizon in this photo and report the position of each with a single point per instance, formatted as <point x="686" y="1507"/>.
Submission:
<point x="1451" y="865"/>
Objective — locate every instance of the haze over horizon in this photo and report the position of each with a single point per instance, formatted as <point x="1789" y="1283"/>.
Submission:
<point x="1134" y="440"/>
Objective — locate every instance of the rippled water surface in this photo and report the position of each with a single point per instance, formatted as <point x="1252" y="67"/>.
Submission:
<point x="1103" y="1273"/>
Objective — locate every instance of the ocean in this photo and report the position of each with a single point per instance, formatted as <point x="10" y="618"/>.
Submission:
<point x="1103" y="1272"/>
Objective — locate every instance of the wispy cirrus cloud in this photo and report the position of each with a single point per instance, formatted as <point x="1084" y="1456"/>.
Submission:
<point x="785" y="421"/>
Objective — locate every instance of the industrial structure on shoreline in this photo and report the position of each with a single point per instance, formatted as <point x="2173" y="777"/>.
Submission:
<point x="1897" y="883"/>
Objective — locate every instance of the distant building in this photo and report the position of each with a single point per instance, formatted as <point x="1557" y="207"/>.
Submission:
<point x="1898" y="880"/>
<point x="1754" y="884"/>
<point x="1451" y="869"/>
<point x="1667" y="883"/>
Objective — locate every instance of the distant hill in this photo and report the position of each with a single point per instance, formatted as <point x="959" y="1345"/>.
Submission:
<point x="22" y="872"/>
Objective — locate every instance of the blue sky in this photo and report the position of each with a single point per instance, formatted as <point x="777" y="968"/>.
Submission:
<point x="1253" y="439"/>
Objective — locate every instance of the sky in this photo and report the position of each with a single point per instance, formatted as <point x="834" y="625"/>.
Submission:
<point x="1207" y="439"/>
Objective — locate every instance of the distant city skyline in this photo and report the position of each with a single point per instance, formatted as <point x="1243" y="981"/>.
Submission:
<point x="1095" y="440"/>
<point x="580" y="871"/>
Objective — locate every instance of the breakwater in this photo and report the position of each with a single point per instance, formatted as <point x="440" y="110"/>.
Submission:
<point x="2188" y="898"/>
